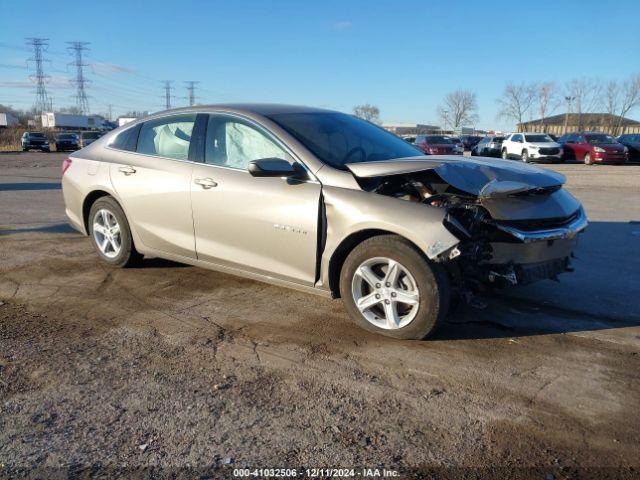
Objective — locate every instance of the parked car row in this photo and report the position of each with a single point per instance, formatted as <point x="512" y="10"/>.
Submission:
<point x="587" y="147"/>
<point x="66" y="141"/>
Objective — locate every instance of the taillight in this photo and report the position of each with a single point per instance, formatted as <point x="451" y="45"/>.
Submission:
<point x="65" y="165"/>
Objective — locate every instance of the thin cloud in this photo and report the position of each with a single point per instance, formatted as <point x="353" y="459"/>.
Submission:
<point x="16" y="66"/>
<point x="51" y="82"/>
<point x="342" y="25"/>
<point x="102" y="68"/>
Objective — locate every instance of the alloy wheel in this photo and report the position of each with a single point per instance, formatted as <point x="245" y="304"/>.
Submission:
<point x="385" y="293"/>
<point x="106" y="233"/>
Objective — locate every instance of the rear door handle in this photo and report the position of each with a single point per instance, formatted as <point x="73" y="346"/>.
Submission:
<point x="205" y="183"/>
<point x="128" y="170"/>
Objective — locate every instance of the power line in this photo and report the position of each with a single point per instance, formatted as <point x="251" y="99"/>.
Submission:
<point x="167" y="93"/>
<point x="82" y="102"/>
<point x="39" y="45"/>
<point x="191" y="86"/>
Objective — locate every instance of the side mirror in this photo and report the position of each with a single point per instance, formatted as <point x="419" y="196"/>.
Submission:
<point x="272" y="167"/>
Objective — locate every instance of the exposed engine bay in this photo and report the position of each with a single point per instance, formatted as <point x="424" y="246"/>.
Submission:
<point x="515" y="225"/>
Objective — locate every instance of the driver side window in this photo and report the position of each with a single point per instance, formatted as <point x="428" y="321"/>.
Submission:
<point x="233" y="143"/>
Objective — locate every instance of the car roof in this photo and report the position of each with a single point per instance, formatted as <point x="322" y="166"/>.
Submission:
<point x="255" y="108"/>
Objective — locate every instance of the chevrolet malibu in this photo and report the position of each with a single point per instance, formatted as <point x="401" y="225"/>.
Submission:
<point x="322" y="202"/>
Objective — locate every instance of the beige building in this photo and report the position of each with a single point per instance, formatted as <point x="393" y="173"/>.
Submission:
<point x="410" y="128"/>
<point x="574" y="122"/>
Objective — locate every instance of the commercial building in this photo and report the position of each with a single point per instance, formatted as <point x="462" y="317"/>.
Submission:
<point x="576" y="122"/>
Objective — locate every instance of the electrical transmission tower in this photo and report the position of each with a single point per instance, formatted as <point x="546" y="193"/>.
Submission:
<point x="167" y="94"/>
<point x="82" y="103"/>
<point x="42" y="103"/>
<point x="191" y="96"/>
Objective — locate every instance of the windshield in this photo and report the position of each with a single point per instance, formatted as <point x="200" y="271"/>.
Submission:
<point x="93" y="135"/>
<point x="455" y="140"/>
<point x="67" y="136"/>
<point x="538" y="138"/>
<point x="498" y="139"/>
<point x="338" y="139"/>
<point x="599" y="138"/>
<point x="37" y="135"/>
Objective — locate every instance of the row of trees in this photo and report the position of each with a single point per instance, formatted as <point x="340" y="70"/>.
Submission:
<point x="526" y="101"/>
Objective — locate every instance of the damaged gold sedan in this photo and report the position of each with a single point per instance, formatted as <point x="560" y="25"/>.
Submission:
<point x="323" y="202"/>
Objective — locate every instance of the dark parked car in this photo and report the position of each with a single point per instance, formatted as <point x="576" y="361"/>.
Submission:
<point x="470" y="141"/>
<point x="593" y="147"/>
<point x="67" y="141"/>
<point x="632" y="142"/>
<point x="436" y="145"/>
<point x="488" y="147"/>
<point x="88" y="137"/>
<point x="458" y="144"/>
<point x="35" y="141"/>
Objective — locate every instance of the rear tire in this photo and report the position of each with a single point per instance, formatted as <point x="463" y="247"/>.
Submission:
<point x="422" y="283"/>
<point x="117" y="249"/>
<point x="505" y="155"/>
<point x="587" y="159"/>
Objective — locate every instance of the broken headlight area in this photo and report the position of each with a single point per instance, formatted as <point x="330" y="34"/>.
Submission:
<point x="503" y="251"/>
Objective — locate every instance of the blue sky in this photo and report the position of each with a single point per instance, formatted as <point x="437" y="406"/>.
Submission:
<point x="403" y="56"/>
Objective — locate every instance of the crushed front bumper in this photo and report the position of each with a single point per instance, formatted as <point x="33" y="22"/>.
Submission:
<point x="568" y="231"/>
<point x="537" y="255"/>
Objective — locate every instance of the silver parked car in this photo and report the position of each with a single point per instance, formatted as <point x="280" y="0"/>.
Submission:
<point x="323" y="202"/>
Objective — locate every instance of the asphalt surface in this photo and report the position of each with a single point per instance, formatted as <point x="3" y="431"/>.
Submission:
<point x="175" y="367"/>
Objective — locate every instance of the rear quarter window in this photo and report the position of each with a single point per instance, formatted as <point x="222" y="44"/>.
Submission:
<point x="127" y="140"/>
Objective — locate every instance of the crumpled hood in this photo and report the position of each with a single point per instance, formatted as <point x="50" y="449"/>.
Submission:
<point x="483" y="177"/>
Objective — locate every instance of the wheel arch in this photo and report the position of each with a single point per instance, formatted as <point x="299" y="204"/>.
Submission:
<point x="88" y="202"/>
<point x="347" y="245"/>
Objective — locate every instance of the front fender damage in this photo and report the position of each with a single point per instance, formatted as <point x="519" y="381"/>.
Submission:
<point x="515" y="224"/>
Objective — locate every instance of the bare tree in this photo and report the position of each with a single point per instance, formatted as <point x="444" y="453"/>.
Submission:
<point x="546" y="99"/>
<point x="611" y="103"/>
<point x="516" y="101"/>
<point x="585" y="95"/>
<point x="629" y="98"/>
<point x="460" y="107"/>
<point x="367" y="112"/>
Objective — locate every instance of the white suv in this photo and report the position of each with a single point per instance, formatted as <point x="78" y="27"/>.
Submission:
<point x="529" y="147"/>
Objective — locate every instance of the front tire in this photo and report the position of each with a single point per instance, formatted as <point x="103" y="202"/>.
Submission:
<point x="505" y="155"/>
<point x="587" y="159"/>
<point x="389" y="288"/>
<point x="111" y="235"/>
<point x="525" y="156"/>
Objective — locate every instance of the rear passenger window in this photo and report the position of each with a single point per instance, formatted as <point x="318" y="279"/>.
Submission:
<point x="167" y="137"/>
<point x="127" y="139"/>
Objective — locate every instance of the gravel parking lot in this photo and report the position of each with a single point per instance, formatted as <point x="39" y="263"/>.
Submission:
<point x="103" y="371"/>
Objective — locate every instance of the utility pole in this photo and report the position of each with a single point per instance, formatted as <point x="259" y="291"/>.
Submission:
<point x="82" y="103"/>
<point x="42" y="102"/>
<point x="167" y="94"/>
<point x="191" y="86"/>
<point x="568" y="99"/>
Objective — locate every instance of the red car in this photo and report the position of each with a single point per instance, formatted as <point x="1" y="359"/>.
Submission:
<point x="593" y="148"/>
<point x="437" y="145"/>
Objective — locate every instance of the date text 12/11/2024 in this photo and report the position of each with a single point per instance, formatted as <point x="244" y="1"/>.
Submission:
<point x="315" y="472"/>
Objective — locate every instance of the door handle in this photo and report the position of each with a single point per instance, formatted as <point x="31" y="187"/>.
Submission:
<point x="128" y="170"/>
<point x="205" y="183"/>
